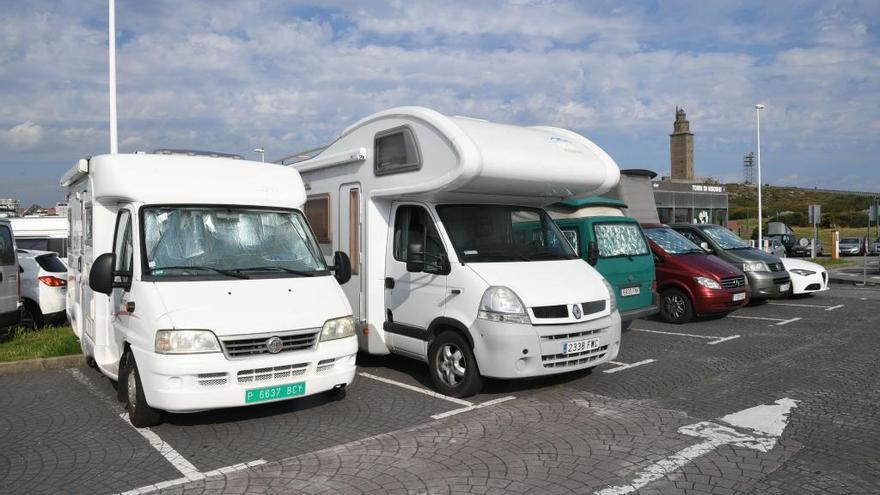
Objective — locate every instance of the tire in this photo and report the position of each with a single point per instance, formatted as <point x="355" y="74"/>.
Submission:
<point x="624" y="325"/>
<point x="140" y="413"/>
<point x="453" y="366"/>
<point x="676" y="307"/>
<point x="31" y="316"/>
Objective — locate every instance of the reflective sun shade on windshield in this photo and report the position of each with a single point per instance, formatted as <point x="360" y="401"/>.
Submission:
<point x="672" y="242"/>
<point x="725" y="238"/>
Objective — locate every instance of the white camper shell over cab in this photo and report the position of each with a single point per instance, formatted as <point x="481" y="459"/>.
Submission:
<point x="454" y="261"/>
<point x="197" y="283"/>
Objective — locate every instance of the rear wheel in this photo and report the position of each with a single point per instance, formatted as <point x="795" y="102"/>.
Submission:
<point x="676" y="306"/>
<point x="140" y="413"/>
<point x="31" y="316"/>
<point x="453" y="366"/>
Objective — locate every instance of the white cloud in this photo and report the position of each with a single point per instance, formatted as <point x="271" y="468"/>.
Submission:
<point x="23" y="137"/>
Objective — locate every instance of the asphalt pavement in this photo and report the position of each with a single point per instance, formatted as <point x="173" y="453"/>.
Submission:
<point x="775" y="398"/>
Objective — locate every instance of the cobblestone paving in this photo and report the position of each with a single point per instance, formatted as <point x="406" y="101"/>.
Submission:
<point x="572" y="434"/>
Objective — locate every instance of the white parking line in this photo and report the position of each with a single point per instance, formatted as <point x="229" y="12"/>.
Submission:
<point x="473" y="407"/>
<point x="779" y="321"/>
<point x="832" y="308"/>
<point x="420" y="390"/>
<point x="186" y="468"/>
<point x="624" y="366"/>
<point x="714" y="338"/>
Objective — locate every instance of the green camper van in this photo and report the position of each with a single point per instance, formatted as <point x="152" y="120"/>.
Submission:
<point x="615" y="244"/>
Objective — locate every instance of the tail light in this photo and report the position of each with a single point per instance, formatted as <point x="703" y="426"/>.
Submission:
<point x="53" y="281"/>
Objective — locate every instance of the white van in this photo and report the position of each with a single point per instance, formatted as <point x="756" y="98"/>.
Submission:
<point x="197" y="284"/>
<point x="454" y="262"/>
<point x="10" y="311"/>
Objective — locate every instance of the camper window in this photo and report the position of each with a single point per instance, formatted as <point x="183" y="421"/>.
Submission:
<point x="396" y="151"/>
<point x="354" y="224"/>
<point x="414" y="226"/>
<point x="87" y="224"/>
<point x="318" y="214"/>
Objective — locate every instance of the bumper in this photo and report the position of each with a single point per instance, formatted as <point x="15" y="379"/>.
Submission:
<point x="850" y="251"/>
<point x="713" y="301"/>
<point x="768" y="285"/>
<point x="817" y="282"/>
<point x="505" y="350"/>
<point x="190" y="383"/>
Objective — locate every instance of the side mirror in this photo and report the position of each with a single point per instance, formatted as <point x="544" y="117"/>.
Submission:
<point x="705" y="246"/>
<point x="592" y="253"/>
<point x="415" y="260"/>
<point x="342" y="267"/>
<point x="101" y="274"/>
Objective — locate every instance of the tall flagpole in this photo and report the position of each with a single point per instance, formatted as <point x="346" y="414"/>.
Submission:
<point x="114" y="146"/>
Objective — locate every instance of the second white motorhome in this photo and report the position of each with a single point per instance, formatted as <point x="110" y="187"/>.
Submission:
<point x="42" y="233"/>
<point x="454" y="261"/>
<point x="197" y="283"/>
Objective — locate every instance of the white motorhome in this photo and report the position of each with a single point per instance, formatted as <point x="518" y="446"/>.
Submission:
<point x="42" y="233"/>
<point x="197" y="283"/>
<point x="454" y="261"/>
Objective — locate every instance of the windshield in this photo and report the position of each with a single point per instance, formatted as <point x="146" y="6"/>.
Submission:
<point x="672" y="242"/>
<point x="725" y="238"/>
<point x="619" y="239"/>
<point x="209" y="241"/>
<point x="493" y="233"/>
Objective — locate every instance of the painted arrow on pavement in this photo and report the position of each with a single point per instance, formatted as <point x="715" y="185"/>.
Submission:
<point x="756" y="428"/>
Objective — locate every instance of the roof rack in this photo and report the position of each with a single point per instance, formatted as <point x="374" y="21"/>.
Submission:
<point x="212" y="154"/>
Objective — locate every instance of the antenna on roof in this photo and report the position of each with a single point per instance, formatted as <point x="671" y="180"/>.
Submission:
<point x="114" y="146"/>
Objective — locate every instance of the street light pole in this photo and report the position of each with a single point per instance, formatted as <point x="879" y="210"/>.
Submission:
<point x="114" y="147"/>
<point x="262" y="153"/>
<point x="758" y="109"/>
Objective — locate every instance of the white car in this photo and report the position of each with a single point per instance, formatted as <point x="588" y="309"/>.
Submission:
<point x="806" y="277"/>
<point x="43" y="288"/>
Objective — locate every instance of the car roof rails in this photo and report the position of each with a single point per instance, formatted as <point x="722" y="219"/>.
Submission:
<point x="212" y="154"/>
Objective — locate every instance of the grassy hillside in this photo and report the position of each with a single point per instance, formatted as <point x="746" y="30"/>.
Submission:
<point x="791" y="204"/>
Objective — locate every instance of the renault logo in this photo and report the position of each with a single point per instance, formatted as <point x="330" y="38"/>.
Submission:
<point x="576" y="311"/>
<point x="274" y="345"/>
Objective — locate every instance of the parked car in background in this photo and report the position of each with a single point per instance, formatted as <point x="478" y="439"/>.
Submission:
<point x="876" y="246"/>
<point x="788" y="241"/>
<point x="806" y="277"/>
<point x="851" y="246"/>
<point x="690" y="281"/>
<point x="9" y="288"/>
<point x="43" y="288"/>
<point x="804" y="247"/>
<point x="604" y="237"/>
<point x="765" y="272"/>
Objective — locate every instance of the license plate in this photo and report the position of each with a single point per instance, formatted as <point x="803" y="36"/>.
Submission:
<point x="784" y="287"/>
<point x="579" y="346"/>
<point x="739" y="297"/>
<point x="630" y="291"/>
<point x="276" y="392"/>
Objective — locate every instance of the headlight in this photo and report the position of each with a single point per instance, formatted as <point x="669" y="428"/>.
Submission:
<point x="338" y="328"/>
<point x="755" y="266"/>
<point x="707" y="282"/>
<point x="611" y="295"/>
<point x="186" y="342"/>
<point x="502" y="304"/>
<point x="802" y="272"/>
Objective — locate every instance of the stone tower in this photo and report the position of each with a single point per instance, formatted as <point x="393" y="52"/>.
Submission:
<point x="681" y="148"/>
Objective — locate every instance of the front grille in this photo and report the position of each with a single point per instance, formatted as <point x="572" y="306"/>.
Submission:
<point x="824" y="277"/>
<point x="212" y="379"/>
<point x="781" y="280"/>
<point x="813" y="287"/>
<point x="272" y="373"/>
<point x="558" y="311"/>
<point x="253" y="346"/>
<point x="593" y="307"/>
<point x="325" y="365"/>
<point x="575" y="359"/>
<point x="776" y="267"/>
<point x="570" y="335"/>
<point x="733" y="282"/>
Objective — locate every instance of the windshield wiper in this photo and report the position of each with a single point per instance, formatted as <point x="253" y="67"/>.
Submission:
<point x="228" y="273"/>
<point x="276" y="268"/>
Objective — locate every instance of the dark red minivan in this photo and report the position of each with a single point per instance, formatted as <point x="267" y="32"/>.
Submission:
<point x="690" y="281"/>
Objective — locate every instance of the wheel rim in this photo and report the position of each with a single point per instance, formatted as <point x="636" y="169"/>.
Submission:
<point x="675" y="306"/>
<point x="451" y="365"/>
<point x="131" y="385"/>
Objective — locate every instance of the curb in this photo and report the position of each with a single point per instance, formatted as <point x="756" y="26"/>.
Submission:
<point x="42" y="364"/>
<point x="849" y="280"/>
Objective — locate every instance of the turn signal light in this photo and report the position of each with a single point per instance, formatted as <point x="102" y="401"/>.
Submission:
<point x="53" y="281"/>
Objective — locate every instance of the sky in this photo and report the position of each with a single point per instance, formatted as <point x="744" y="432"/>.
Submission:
<point x="286" y="76"/>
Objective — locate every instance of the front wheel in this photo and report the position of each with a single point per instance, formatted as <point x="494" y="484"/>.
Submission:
<point x="676" y="306"/>
<point x="140" y="413"/>
<point x="453" y="366"/>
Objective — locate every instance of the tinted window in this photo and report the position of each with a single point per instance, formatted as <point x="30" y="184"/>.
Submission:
<point x="619" y="239"/>
<point x="51" y="263"/>
<point x="7" y="249"/>
<point x="396" y="151"/>
<point x="317" y="212"/>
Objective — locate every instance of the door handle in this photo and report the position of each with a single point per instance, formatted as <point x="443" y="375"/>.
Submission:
<point x="455" y="292"/>
<point x="389" y="283"/>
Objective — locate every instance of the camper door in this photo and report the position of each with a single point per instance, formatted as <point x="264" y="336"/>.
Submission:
<point x="415" y="284"/>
